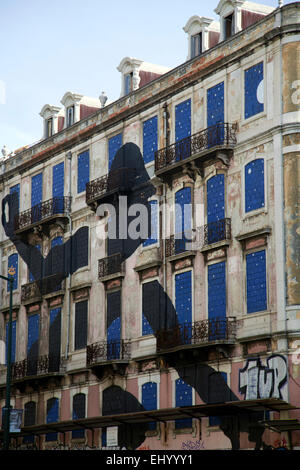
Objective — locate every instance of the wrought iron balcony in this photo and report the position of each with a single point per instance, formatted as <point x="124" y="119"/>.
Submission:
<point x="221" y="136"/>
<point x="179" y="243"/>
<point x="217" y="231"/>
<point x="106" y="351"/>
<point x="43" y="213"/>
<point x="120" y="180"/>
<point x="46" y="285"/>
<point x="41" y="366"/>
<point x="110" y="265"/>
<point x="199" y="333"/>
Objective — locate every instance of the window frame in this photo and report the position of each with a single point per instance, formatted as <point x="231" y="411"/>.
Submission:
<point x="267" y="309"/>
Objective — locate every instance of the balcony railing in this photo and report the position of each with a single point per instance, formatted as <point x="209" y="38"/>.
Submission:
<point x="197" y="333"/>
<point x="42" y="365"/>
<point x="220" y="135"/>
<point x="44" y="286"/>
<point x="178" y="243"/>
<point x="105" y="351"/>
<point x="40" y="213"/>
<point x="217" y="231"/>
<point x="119" y="180"/>
<point x="110" y="265"/>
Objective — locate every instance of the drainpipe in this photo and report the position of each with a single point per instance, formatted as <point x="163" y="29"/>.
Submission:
<point x="69" y="156"/>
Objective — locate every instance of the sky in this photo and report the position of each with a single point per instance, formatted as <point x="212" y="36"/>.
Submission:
<point x="50" y="47"/>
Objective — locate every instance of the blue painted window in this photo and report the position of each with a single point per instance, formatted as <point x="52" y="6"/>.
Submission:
<point x="52" y="417"/>
<point x="56" y="261"/>
<point x="154" y="224"/>
<point x="83" y="171"/>
<point x="36" y="189"/>
<point x="33" y="335"/>
<point x="29" y="419"/>
<point x="183" y="120"/>
<point x="78" y="413"/>
<point x="81" y="319"/>
<point x="58" y="188"/>
<point x="215" y="104"/>
<point x="254" y="92"/>
<point x="149" y="139"/>
<point x="183" y="397"/>
<point x="254" y="185"/>
<point x="31" y="276"/>
<point x="256" y="281"/>
<point x="54" y="339"/>
<point x="13" y="341"/>
<point x="114" y="144"/>
<point x="16" y="189"/>
<point x="36" y="197"/>
<point x="217" y="300"/>
<point x="215" y="420"/>
<point x="183" y="218"/>
<point x="114" y="325"/>
<point x="12" y="270"/>
<point x="183" y="304"/>
<point x="215" y="197"/>
<point x="149" y="399"/>
<point x="103" y="437"/>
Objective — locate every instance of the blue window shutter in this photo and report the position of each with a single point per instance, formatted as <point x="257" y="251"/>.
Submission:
<point x="83" y="171"/>
<point x="36" y="189"/>
<point x="16" y="189"/>
<point x="56" y="241"/>
<point x="31" y="277"/>
<point x="54" y="339"/>
<point x="149" y="399"/>
<point x="58" y="180"/>
<point x="183" y="303"/>
<point x="113" y="323"/>
<point x="254" y="102"/>
<point x="215" y="198"/>
<point x="81" y="318"/>
<point x="215" y="420"/>
<point x="215" y="104"/>
<point x="149" y="139"/>
<point x="12" y="266"/>
<point x="154" y="224"/>
<point x="78" y="413"/>
<point x="52" y="417"/>
<point x="183" y="212"/>
<point x="254" y="185"/>
<point x="256" y="281"/>
<point x="216" y="274"/>
<point x="183" y="218"/>
<point x="33" y="335"/>
<point x="13" y="341"/>
<point x="183" y="120"/>
<point x="114" y="144"/>
<point x="183" y="397"/>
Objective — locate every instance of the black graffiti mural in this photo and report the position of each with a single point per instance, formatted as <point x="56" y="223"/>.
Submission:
<point x="160" y="312"/>
<point x="61" y="260"/>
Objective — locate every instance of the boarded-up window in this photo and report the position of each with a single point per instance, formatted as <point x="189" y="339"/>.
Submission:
<point x="78" y="412"/>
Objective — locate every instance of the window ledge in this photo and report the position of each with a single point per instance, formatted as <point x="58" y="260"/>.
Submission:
<point x="255" y="233"/>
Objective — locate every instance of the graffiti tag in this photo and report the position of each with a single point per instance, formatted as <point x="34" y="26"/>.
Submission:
<point x="259" y="381"/>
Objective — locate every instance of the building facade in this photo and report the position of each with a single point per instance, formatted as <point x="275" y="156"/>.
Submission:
<point x="105" y="327"/>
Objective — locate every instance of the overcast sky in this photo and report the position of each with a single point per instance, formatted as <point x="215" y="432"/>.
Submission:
<point x="50" y="47"/>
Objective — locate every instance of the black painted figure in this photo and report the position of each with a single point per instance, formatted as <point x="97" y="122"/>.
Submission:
<point x="66" y="257"/>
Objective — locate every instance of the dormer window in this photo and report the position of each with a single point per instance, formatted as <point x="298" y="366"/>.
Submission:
<point x="70" y="116"/>
<point x="128" y="83"/>
<point x="196" y="45"/>
<point x="49" y="127"/>
<point x="229" y="26"/>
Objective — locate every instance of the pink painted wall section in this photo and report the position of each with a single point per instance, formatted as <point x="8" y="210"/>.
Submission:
<point x="65" y="407"/>
<point x="132" y="387"/>
<point x="93" y="401"/>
